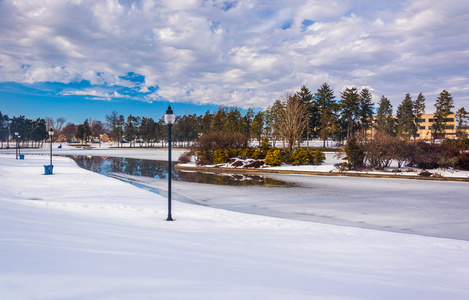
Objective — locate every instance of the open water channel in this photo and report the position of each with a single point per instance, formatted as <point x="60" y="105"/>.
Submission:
<point x="159" y="169"/>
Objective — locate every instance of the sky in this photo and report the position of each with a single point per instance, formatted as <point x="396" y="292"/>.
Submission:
<point x="86" y="58"/>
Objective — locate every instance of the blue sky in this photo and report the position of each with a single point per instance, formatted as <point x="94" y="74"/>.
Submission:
<point x="86" y="58"/>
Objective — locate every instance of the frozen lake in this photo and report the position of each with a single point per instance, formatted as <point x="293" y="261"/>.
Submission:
<point x="438" y="209"/>
<point x="432" y="208"/>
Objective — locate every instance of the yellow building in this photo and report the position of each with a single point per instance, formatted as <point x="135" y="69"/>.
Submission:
<point x="424" y="127"/>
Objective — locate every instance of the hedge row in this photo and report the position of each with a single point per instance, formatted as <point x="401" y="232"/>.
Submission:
<point x="272" y="157"/>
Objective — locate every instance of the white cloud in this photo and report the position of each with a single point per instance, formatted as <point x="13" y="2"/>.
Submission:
<point x="207" y="52"/>
<point x="95" y="94"/>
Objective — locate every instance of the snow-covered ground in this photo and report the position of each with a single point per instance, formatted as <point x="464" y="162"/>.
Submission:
<point x="81" y="235"/>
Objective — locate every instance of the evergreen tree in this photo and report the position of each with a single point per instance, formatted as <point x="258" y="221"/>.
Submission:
<point x="206" y="122"/>
<point x="218" y="120"/>
<point x="335" y="125"/>
<point x="258" y="126"/>
<point x="444" y="105"/>
<point x="419" y="109"/>
<point x="323" y="115"/>
<point x="419" y="106"/>
<point x="384" y="120"/>
<point x="131" y="129"/>
<point x="96" y="130"/>
<point x="246" y="125"/>
<point x="354" y="153"/>
<point x="18" y="124"/>
<point x="79" y="133"/>
<point x="39" y="132"/>
<point x="272" y="119"/>
<point x="350" y="104"/>
<point x="4" y="128"/>
<point x="232" y="121"/>
<point x="306" y="98"/>
<point x="187" y="128"/>
<point x="406" y="119"/>
<point x="462" y="118"/>
<point x="366" y="110"/>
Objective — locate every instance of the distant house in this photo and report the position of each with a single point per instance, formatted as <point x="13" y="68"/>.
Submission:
<point x="62" y="138"/>
<point x="104" y="138"/>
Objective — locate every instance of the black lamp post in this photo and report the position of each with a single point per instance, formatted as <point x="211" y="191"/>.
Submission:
<point x="19" y="146"/>
<point x="51" y="133"/>
<point x="169" y="119"/>
<point x="16" y="137"/>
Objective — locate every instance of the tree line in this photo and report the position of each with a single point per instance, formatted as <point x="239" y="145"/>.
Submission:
<point x="30" y="133"/>
<point x="299" y="116"/>
<point x="293" y="118"/>
<point x="354" y="113"/>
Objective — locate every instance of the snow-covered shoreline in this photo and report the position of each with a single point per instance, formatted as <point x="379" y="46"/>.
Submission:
<point x="162" y="154"/>
<point x="81" y="235"/>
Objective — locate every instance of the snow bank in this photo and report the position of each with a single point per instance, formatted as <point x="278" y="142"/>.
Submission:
<point x="81" y="235"/>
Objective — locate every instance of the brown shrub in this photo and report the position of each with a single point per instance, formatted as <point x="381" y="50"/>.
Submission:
<point x="185" y="157"/>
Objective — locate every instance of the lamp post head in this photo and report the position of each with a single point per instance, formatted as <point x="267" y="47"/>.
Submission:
<point x="169" y="117"/>
<point x="51" y="132"/>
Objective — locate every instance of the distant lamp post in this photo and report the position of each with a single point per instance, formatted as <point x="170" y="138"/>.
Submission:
<point x="169" y="119"/>
<point x="19" y="146"/>
<point x="16" y="137"/>
<point x="51" y="133"/>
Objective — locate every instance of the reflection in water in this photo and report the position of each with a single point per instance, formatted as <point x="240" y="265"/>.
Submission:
<point x="130" y="166"/>
<point x="230" y="179"/>
<point x="159" y="169"/>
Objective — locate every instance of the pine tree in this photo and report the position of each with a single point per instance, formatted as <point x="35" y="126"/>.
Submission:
<point x="218" y="120"/>
<point x="131" y="129"/>
<point x="205" y="122"/>
<point x="366" y="110"/>
<point x="350" y="110"/>
<point x="406" y="119"/>
<point x="419" y="106"/>
<point x="306" y="98"/>
<point x="419" y="109"/>
<point x="462" y="118"/>
<point x="384" y="119"/>
<point x="324" y="115"/>
<point x="3" y="128"/>
<point x="258" y="126"/>
<point x="444" y="105"/>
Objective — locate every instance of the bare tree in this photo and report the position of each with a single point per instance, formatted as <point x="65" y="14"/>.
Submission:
<point x="50" y="123"/>
<point x="69" y="131"/>
<point x="59" y="123"/>
<point x="292" y="120"/>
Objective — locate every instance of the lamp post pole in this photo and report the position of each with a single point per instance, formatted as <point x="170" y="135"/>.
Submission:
<point x="19" y="146"/>
<point x="51" y="133"/>
<point x="16" y="137"/>
<point x="169" y="119"/>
